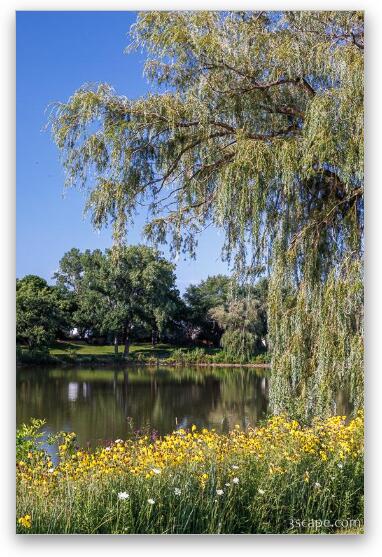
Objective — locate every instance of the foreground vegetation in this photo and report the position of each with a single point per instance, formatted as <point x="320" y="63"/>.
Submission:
<point x="279" y="478"/>
<point x="80" y="353"/>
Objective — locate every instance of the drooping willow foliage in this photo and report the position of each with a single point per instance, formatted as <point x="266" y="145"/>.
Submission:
<point x="241" y="324"/>
<point x="255" y="124"/>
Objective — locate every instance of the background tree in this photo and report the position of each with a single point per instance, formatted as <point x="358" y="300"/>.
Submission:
<point x="116" y="293"/>
<point x="200" y="299"/>
<point x="79" y="273"/>
<point x="258" y="128"/>
<point x="244" y="322"/>
<point x="41" y="311"/>
<point x="71" y="269"/>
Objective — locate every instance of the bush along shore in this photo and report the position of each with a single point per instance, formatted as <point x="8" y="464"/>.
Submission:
<point x="152" y="357"/>
<point x="281" y="477"/>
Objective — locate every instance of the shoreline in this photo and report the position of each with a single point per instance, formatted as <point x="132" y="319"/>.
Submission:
<point x="125" y="364"/>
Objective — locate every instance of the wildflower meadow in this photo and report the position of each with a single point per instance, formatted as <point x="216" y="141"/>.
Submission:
<point x="262" y="480"/>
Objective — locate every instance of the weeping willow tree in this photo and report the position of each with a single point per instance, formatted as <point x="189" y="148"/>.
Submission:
<point x="254" y="124"/>
<point x="243" y="322"/>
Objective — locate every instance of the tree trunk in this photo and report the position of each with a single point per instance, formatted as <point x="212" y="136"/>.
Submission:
<point x="127" y="347"/>
<point x="154" y="337"/>
<point x="116" y="345"/>
<point x="126" y="340"/>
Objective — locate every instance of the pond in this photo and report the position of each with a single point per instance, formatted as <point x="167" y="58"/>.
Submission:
<point x="101" y="405"/>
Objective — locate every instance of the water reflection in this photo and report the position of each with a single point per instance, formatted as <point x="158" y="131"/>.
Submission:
<point x="104" y="404"/>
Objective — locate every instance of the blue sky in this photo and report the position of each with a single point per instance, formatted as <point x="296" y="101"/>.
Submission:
<point x="57" y="52"/>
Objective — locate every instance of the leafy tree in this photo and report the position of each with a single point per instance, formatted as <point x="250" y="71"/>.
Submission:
<point x="200" y="299"/>
<point x="240" y="322"/>
<point x="244" y="321"/>
<point x="41" y="311"/>
<point x="116" y="292"/>
<point x="161" y="297"/>
<point x="257" y="127"/>
<point x="72" y="268"/>
<point x="79" y="273"/>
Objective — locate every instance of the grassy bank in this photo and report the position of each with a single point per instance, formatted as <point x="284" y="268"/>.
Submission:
<point x="278" y="478"/>
<point x="80" y="353"/>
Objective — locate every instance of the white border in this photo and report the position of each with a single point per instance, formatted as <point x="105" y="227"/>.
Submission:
<point x="295" y="546"/>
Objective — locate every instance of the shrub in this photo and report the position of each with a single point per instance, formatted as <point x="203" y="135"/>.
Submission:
<point x="28" y="439"/>
<point x="35" y="356"/>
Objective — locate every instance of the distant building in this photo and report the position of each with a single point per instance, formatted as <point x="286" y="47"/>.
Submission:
<point x="73" y="333"/>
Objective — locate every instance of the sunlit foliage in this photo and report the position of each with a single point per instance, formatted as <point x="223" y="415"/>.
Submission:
<point x="255" y="124"/>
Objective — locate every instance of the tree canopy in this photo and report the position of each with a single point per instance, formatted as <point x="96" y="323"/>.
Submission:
<point x="243" y="318"/>
<point x="41" y="311"/>
<point x="255" y="124"/>
<point x="116" y="294"/>
<point x="201" y="298"/>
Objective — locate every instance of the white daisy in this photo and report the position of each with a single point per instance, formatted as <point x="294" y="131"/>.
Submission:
<point x="122" y="495"/>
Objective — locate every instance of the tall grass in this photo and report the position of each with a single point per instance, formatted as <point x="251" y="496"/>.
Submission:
<point x="264" y="481"/>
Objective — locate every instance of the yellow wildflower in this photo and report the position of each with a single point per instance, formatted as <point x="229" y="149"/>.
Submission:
<point x="25" y="521"/>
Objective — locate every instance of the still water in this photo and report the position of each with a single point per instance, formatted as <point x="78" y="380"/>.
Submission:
<point x="105" y="404"/>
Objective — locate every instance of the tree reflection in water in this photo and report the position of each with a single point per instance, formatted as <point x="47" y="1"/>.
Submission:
<point x="104" y="404"/>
